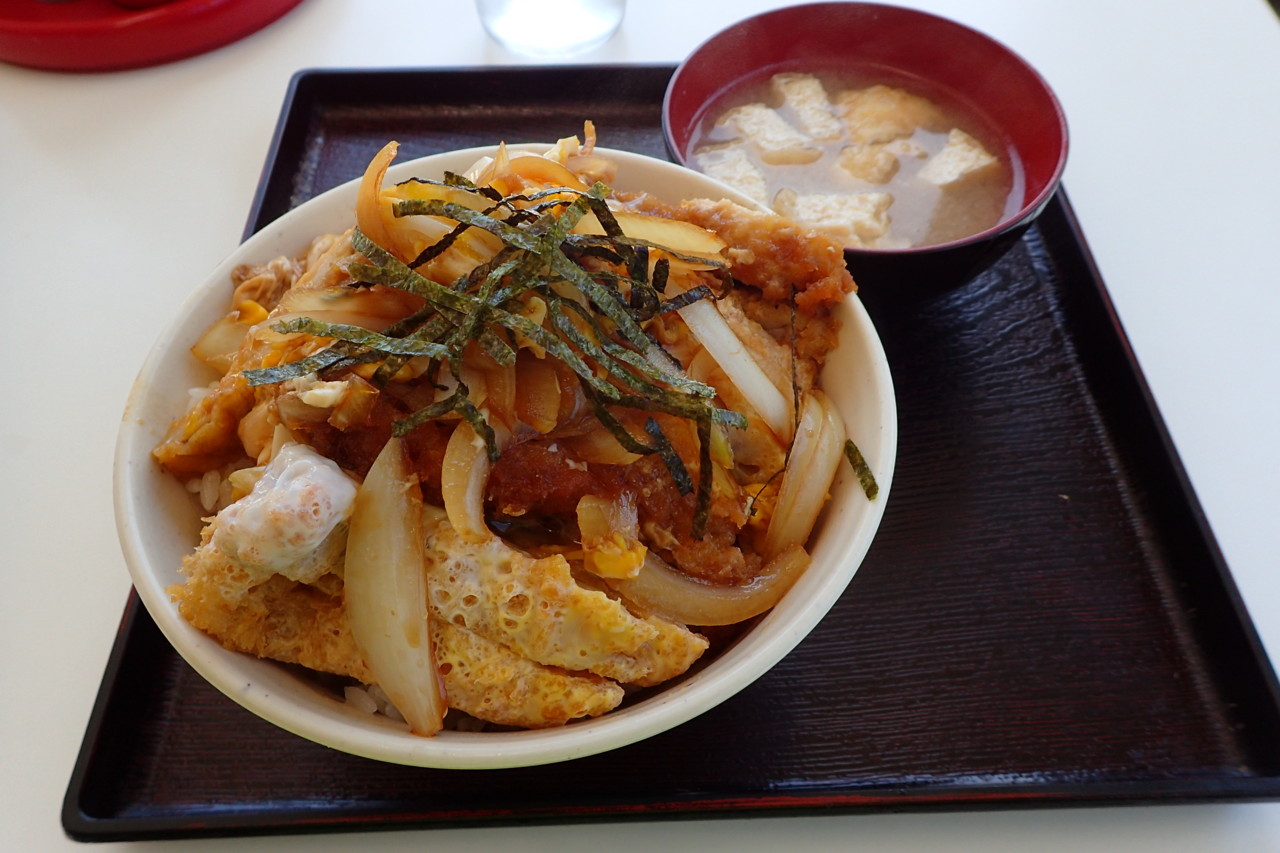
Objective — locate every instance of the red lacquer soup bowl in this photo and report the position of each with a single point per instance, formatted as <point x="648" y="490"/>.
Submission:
<point x="939" y="59"/>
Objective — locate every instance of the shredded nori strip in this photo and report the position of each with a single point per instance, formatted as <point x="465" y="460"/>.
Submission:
<point x="362" y="336"/>
<point x="689" y="297"/>
<point x="453" y="179"/>
<point x="860" y="467"/>
<point x="628" y="441"/>
<point x="423" y="330"/>
<point x="613" y="356"/>
<point x="582" y="241"/>
<point x="449" y="303"/>
<point x="661" y="270"/>
<point x="396" y="274"/>
<point x="675" y="465"/>
<point x="438" y="409"/>
<point x="617" y="361"/>
<point x="311" y="364"/>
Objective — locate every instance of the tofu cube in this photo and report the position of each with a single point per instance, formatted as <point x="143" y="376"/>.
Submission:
<point x="961" y="159"/>
<point x="806" y="98"/>
<point x="872" y="164"/>
<point x="882" y="114"/>
<point x="777" y="142"/>
<point x="854" y="219"/>
<point x="907" y="149"/>
<point x="732" y="166"/>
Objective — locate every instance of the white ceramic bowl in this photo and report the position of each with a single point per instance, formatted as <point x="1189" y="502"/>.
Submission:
<point x="159" y="522"/>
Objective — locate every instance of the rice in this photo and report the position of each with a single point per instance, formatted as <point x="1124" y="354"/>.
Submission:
<point x="359" y="698"/>
<point x="210" y="487"/>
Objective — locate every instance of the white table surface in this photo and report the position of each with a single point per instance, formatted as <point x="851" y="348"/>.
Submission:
<point x="120" y="191"/>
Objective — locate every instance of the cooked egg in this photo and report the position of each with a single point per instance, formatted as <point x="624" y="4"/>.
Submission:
<point x="299" y="500"/>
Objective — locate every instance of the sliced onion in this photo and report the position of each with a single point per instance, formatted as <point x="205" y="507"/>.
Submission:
<point x="373" y="212"/>
<point x="266" y="333"/>
<point x="405" y="237"/>
<point x="592" y="168"/>
<point x="815" y="456"/>
<point x="537" y="393"/>
<point x="374" y="301"/>
<point x="372" y="308"/>
<point x="757" y="452"/>
<point x="486" y="167"/>
<point x="218" y="344"/>
<point x="464" y="474"/>
<point x="598" y="446"/>
<point x="356" y="404"/>
<point x="385" y="590"/>
<point x="500" y="392"/>
<point x="715" y="335"/>
<point x="569" y="146"/>
<point x="296" y="414"/>
<point x="667" y="592"/>
<point x="509" y="173"/>
<point x="674" y="234"/>
<point x="472" y="248"/>
<point x="428" y="191"/>
<point x="536" y="169"/>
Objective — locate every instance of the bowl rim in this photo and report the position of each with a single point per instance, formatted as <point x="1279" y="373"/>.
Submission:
<point x="293" y="707"/>
<point x="1027" y="212"/>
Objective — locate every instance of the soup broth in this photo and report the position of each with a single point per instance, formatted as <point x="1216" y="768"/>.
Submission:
<point x="869" y="161"/>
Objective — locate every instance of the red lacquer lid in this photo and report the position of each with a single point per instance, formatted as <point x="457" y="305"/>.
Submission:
<point x="103" y="35"/>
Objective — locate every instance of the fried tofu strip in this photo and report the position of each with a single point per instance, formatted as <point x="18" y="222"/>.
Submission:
<point x="882" y="113"/>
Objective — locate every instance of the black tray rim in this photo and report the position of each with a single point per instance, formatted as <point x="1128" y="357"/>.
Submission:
<point x="79" y="825"/>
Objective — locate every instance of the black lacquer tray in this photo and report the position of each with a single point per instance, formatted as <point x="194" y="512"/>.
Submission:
<point x="1044" y="618"/>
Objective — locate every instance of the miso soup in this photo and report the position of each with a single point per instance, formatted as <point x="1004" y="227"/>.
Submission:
<point x="874" y="165"/>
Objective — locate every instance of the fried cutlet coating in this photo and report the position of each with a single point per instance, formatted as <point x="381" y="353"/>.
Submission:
<point x="307" y="624"/>
<point x="775" y="254"/>
<point x="277" y="618"/>
<point x="535" y="607"/>
<point x="490" y="682"/>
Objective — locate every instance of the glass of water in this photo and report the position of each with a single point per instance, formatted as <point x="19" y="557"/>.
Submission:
<point x="551" y="28"/>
